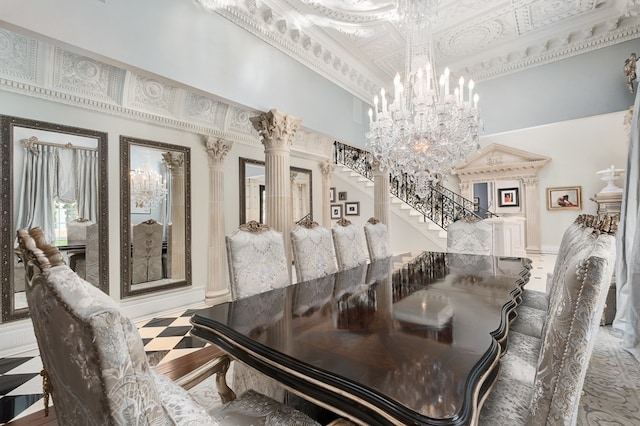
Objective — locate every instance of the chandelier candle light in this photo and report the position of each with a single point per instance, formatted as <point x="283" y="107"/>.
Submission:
<point x="148" y="188"/>
<point x="427" y="128"/>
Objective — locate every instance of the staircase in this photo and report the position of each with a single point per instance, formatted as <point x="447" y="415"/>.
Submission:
<point x="429" y="213"/>
<point x="423" y="227"/>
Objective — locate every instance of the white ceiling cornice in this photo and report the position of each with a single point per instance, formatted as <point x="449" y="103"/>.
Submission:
<point x="355" y="45"/>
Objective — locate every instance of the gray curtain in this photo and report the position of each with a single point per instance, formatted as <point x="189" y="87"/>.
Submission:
<point x="627" y="320"/>
<point x="87" y="172"/>
<point x="37" y="189"/>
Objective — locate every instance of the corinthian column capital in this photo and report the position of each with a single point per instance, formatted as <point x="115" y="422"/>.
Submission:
<point x="327" y="168"/>
<point x="277" y="130"/>
<point x="217" y="148"/>
<point x="175" y="160"/>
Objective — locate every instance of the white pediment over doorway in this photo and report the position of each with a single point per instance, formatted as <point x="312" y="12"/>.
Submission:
<point x="500" y="160"/>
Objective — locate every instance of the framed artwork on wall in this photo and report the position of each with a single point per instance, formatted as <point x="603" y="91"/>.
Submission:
<point x="336" y="211"/>
<point x="563" y="198"/>
<point x="508" y="197"/>
<point x="332" y="195"/>
<point x="342" y="196"/>
<point x="352" y="209"/>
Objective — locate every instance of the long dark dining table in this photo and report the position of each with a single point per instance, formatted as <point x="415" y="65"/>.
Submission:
<point x="411" y="340"/>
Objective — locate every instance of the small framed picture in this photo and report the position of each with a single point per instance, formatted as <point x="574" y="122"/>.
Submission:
<point x="563" y="198"/>
<point x="138" y="207"/>
<point x="336" y="211"/>
<point x="352" y="209"/>
<point x="508" y="197"/>
<point x="332" y="195"/>
<point x="476" y="200"/>
<point x="342" y="196"/>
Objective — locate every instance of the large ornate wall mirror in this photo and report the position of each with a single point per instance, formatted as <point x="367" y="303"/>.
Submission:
<point x="155" y="216"/>
<point x="252" y="192"/>
<point x="54" y="177"/>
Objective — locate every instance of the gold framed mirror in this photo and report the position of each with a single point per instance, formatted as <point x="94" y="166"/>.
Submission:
<point x="252" y="192"/>
<point x="55" y="177"/>
<point x="155" y="216"/>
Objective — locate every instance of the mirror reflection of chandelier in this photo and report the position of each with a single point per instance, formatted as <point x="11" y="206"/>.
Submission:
<point x="148" y="188"/>
<point x="429" y="126"/>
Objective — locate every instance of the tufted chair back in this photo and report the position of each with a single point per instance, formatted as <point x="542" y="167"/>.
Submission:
<point x="377" y="237"/>
<point x="257" y="260"/>
<point x="349" y="245"/>
<point x="313" y="252"/>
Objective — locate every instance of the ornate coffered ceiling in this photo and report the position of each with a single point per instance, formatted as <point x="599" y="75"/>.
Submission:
<point x="359" y="44"/>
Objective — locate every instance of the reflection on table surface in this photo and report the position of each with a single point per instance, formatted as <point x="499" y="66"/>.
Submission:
<point x="413" y="338"/>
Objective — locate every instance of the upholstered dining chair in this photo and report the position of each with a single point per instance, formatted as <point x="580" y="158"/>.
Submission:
<point x="377" y="237"/>
<point x="314" y="255"/>
<point x="546" y="389"/>
<point x="257" y="263"/>
<point x="531" y="319"/>
<point x="77" y="235"/>
<point x="257" y="260"/>
<point x="147" y="252"/>
<point x="572" y="239"/>
<point x="347" y="239"/>
<point x="470" y="235"/>
<point x="95" y="365"/>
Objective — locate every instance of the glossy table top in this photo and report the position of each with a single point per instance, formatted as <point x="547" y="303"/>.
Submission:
<point x="392" y="342"/>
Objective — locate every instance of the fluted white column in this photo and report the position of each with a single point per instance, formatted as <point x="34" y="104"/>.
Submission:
<point x="327" y="169"/>
<point x="381" y="204"/>
<point x="532" y="213"/>
<point x="175" y="162"/>
<point x="277" y="131"/>
<point x="217" y="272"/>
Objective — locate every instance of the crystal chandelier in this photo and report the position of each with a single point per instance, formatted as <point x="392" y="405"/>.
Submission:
<point x="148" y="188"/>
<point x="428" y="127"/>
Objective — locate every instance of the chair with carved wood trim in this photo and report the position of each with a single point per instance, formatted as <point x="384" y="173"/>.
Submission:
<point x="377" y="237"/>
<point x="257" y="264"/>
<point x="96" y="365"/>
<point x="147" y="252"/>
<point x="349" y="244"/>
<point x="313" y="251"/>
<point x="470" y="235"/>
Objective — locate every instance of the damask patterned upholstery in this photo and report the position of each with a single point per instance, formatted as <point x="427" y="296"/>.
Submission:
<point x="313" y="252"/>
<point x="577" y="233"/>
<point x="257" y="261"/>
<point x="569" y="335"/>
<point x="349" y="245"/>
<point x="377" y="238"/>
<point x="530" y="321"/>
<point x="568" y="338"/>
<point x="147" y="252"/>
<point x="470" y="236"/>
<point x="96" y="363"/>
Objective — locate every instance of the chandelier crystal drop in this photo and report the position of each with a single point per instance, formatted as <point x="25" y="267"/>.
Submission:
<point x="148" y="188"/>
<point x="429" y="126"/>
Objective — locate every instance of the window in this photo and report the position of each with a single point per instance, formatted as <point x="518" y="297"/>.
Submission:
<point x="63" y="213"/>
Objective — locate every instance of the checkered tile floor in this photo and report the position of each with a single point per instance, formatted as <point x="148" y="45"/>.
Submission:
<point x="164" y="338"/>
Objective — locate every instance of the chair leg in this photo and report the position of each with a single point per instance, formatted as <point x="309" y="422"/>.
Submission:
<point x="46" y="390"/>
<point x="226" y="394"/>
